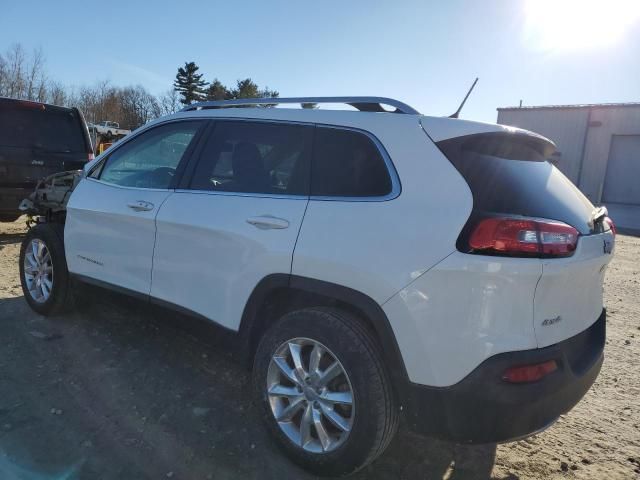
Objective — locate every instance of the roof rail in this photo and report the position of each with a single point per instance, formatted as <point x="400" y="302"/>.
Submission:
<point x="364" y="104"/>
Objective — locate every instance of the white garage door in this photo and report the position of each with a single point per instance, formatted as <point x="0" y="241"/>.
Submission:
<point x="622" y="183"/>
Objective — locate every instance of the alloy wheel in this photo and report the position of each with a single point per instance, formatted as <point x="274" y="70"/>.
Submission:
<point x="38" y="270"/>
<point x="310" y="395"/>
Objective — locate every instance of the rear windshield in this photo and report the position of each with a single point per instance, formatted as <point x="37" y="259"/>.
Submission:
<point x="508" y="174"/>
<point x="50" y="130"/>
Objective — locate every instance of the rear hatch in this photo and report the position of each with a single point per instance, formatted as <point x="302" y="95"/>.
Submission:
<point x="525" y="207"/>
<point x="569" y="294"/>
<point x="37" y="140"/>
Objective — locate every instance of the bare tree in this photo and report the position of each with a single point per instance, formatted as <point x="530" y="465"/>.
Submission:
<point x="15" y="58"/>
<point x="24" y="76"/>
<point x="56" y="94"/>
<point x="169" y="102"/>
<point x="138" y="106"/>
<point x="4" y="75"/>
<point x="35" y="75"/>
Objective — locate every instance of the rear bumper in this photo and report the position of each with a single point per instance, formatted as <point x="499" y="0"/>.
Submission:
<point x="482" y="408"/>
<point x="10" y="198"/>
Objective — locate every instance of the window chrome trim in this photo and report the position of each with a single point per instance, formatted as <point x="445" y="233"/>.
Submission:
<point x="396" y="186"/>
<point x="282" y="196"/>
<point x="125" y="187"/>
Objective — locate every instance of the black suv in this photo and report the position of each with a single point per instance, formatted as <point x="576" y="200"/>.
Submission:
<point x="37" y="140"/>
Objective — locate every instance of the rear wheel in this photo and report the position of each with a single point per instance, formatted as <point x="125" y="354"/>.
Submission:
<point x="43" y="270"/>
<point x="324" y="392"/>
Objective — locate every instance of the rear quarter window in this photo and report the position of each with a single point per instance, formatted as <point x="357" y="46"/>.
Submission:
<point x="347" y="163"/>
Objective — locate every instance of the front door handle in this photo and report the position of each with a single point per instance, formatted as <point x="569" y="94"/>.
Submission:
<point x="140" y="206"/>
<point x="266" y="222"/>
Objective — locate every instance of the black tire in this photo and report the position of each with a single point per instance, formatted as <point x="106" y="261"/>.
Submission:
<point x="375" y="418"/>
<point x="60" y="298"/>
<point x="8" y="218"/>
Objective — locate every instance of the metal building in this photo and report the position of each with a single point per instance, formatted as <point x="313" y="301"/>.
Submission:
<point x="598" y="149"/>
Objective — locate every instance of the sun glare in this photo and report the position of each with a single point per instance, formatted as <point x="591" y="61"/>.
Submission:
<point x="579" y="24"/>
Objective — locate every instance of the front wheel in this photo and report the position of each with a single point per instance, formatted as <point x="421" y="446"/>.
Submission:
<point x="324" y="391"/>
<point x="43" y="270"/>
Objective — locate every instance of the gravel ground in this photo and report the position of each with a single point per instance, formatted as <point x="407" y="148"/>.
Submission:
<point x="119" y="390"/>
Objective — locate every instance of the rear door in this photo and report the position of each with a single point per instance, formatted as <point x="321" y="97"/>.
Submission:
<point x="110" y="229"/>
<point x="236" y="219"/>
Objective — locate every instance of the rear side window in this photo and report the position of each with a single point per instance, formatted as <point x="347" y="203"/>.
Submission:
<point x="51" y="130"/>
<point x="255" y="157"/>
<point x="509" y="174"/>
<point x="347" y="163"/>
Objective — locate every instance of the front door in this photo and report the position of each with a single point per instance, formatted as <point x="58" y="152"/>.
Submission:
<point x="110" y="228"/>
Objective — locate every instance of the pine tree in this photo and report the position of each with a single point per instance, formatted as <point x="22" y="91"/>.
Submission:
<point x="267" y="93"/>
<point x="246" y="88"/>
<point x="217" y="91"/>
<point x="189" y="84"/>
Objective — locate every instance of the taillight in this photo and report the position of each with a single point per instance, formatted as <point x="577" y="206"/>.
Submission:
<point x="523" y="237"/>
<point x="612" y="226"/>
<point x="529" y="373"/>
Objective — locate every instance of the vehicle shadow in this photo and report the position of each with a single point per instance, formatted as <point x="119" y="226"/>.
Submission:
<point x="415" y="457"/>
<point x="11" y="238"/>
<point x="138" y="392"/>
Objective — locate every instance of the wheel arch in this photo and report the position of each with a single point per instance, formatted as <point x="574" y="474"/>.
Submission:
<point x="278" y="294"/>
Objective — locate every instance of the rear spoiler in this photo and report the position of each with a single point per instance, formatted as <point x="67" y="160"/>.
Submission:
<point x="439" y="129"/>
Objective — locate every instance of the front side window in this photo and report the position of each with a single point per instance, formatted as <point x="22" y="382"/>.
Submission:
<point x="255" y="157"/>
<point x="347" y="163"/>
<point x="151" y="159"/>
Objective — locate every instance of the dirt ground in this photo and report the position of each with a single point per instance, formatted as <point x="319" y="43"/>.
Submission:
<point x="118" y="390"/>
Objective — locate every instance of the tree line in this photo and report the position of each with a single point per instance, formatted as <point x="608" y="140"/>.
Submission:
<point x="193" y="88"/>
<point x="23" y="75"/>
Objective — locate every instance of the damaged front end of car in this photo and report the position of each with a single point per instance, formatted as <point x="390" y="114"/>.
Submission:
<point x="48" y="202"/>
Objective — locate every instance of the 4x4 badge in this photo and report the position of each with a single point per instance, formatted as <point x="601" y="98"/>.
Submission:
<point x="608" y="246"/>
<point x="550" y="321"/>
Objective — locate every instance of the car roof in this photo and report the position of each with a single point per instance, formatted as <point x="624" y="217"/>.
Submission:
<point x="380" y="124"/>
<point x="16" y="102"/>
<point x="438" y="128"/>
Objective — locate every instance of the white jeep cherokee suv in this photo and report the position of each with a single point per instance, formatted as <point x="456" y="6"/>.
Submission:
<point x="375" y="264"/>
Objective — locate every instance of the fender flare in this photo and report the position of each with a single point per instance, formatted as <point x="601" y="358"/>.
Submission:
<point x="331" y="293"/>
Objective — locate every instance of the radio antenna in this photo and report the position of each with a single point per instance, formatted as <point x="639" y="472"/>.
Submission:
<point x="457" y="114"/>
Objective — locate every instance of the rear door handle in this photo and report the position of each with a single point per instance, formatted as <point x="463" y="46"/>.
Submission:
<point x="140" y="206"/>
<point x="266" y="222"/>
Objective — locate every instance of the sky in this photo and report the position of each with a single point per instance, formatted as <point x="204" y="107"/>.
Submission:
<point x="425" y="53"/>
